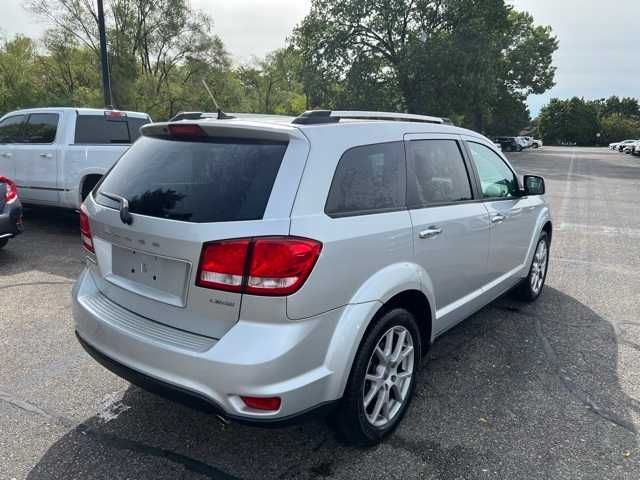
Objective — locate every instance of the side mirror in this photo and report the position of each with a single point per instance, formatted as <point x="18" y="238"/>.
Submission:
<point x="534" y="185"/>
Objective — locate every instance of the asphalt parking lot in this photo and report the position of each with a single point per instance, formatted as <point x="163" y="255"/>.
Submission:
<point x="543" y="391"/>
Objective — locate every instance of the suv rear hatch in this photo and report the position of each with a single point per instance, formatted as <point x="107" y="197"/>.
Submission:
<point x="179" y="187"/>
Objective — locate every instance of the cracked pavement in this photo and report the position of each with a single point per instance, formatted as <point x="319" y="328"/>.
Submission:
<point x="543" y="391"/>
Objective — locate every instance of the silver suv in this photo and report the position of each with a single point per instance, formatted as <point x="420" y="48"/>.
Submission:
<point x="269" y="268"/>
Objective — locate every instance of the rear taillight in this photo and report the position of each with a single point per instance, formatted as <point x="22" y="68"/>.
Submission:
<point x="222" y="265"/>
<point x="273" y="266"/>
<point x="85" y="230"/>
<point x="12" y="191"/>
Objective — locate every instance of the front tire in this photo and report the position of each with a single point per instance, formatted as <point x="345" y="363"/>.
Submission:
<point x="382" y="380"/>
<point x="531" y="287"/>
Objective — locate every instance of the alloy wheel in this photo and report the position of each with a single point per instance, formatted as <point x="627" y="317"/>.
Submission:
<point x="539" y="267"/>
<point x="388" y="376"/>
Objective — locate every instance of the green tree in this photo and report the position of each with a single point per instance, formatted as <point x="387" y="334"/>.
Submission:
<point x="617" y="127"/>
<point x="455" y="58"/>
<point x="19" y="75"/>
<point x="569" y="121"/>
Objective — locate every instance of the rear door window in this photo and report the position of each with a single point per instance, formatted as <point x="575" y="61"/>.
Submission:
<point x="102" y="130"/>
<point x="368" y="179"/>
<point x="436" y="173"/>
<point x="11" y="129"/>
<point x="41" y="128"/>
<point x="200" y="182"/>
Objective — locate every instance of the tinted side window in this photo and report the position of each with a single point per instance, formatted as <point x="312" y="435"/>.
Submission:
<point x="368" y="179"/>
<point x="41" y="128"/>
<point x="436" y="173"/>
<point x="98" y="129"/>
<point x="496" y="178"/>
<point x="11" y="129"/>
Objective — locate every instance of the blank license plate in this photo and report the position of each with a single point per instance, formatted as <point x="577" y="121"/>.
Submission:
<point x="159" y="273"/>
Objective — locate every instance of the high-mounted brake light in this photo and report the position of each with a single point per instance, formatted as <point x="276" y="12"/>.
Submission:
<point x="114" y="115"/>
<point x="186" y="130"/>
<point x="11" y="192"/>
<point x="85" y="230"/>
<point x="274" y="266"/>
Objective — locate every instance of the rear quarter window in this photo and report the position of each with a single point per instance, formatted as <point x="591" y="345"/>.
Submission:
<point x="199" y="182"/>
<point x="100" y="130"/>
<point x="368" y="179"/>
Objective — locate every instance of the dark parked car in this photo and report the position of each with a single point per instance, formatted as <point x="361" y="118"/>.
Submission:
<point x="10" y="211"/>
<point x="508" y="144"/>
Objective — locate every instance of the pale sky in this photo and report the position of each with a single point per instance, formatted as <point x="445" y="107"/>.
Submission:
<point x="598" y="53"/>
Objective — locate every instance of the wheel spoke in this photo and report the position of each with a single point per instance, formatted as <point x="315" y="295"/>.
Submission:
<point x="388" y="344"/>
<point x="378" y="407"/>
<point x="386" y="406"/>
<point x="398" y="350"/>
<point x="371" y="394"/>
<point x="382" y="358"/>
<point x="406" y="352"/>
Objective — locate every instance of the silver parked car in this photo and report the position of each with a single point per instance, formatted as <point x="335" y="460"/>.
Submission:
<point x="268" y="269"/>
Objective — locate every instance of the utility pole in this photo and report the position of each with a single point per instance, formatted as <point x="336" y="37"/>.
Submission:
<point x="106" y="77"/>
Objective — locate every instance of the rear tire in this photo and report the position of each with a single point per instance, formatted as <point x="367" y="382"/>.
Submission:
<point x="3" y="242"/>
<point x="382" y="380"/>
<point x="531" y="287"/>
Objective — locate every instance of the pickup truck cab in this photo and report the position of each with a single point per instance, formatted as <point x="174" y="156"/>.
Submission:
<point x="57" y="155"/>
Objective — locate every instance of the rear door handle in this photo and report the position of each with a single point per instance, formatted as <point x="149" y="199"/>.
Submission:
<point x="430" y="232"/>
<point x="498" y="218"/>
<point x="6" y="154"/>
<point x="46" y="155"/>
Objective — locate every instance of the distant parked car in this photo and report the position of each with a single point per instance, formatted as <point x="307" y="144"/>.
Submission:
<point x="620" y="145"/>
<point x="635" y="150"/>
<point x="523" y="142"/>
<point x="10" y="211"/>
<point x="536" y="143"/>
<point x="57" y="155"/>
<point x="509" y="144"/>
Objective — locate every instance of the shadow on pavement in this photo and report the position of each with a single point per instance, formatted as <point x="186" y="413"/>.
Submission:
<point x="50" y="244"/>
<point x="516" y="391"/>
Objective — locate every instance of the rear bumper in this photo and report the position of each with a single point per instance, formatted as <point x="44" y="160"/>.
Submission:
<point x="11" y="220"/>
<point x="288" y="360"/>
<point x="195" y="400"/>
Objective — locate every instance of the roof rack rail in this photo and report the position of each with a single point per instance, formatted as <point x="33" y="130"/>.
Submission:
<point x="316" y="117"/>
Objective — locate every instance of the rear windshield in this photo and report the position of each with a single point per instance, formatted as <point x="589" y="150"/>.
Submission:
<point x="98" y="129"/>
<point x="221" y="181"/>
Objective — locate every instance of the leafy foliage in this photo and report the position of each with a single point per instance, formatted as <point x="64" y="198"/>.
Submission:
<point x="579" y="121"/>
<point x="459" y="58"/>
<point x="475" y="61"/>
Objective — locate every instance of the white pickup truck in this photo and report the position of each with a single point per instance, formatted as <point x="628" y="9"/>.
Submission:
<point x="57" y="155"/>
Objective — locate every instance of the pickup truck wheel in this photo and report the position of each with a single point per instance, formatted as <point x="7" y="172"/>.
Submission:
<point x="4" y="242"/>
<point x="531" y="287"/>
<point x="382" y="380"/>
